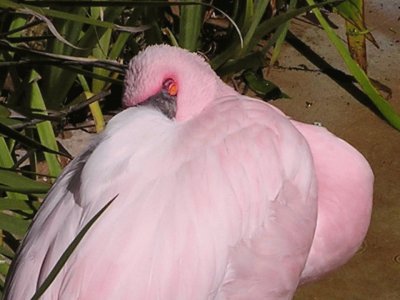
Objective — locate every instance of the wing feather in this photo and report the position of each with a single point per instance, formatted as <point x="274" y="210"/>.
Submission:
<point x="196" y="200"/>
<point x="345" y="192"/>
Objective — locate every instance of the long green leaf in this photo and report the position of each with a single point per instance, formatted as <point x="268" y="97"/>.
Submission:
<point x="45" y="129"/>
<point x="13" y="224"/>
<point x="353" y="11"/>
<point x="23" y="139"/>
<point x="6" y="161"/>
<point x="100" y="51"/>
<point x="282" y="31"/>
<point x="248" y="15"/>
<point x="52" y="74"/>
<point x="269" y="25"/>
<point x="56" y="88"/>
<point x="190" y="25"/>
<point x="259" y="11"/>
<point x="12" y="181"/>
<point x="380" y="103"/>
<point x="263" y="29"/>
<point x="356" y="41"/>
<point x="12" y="204"/>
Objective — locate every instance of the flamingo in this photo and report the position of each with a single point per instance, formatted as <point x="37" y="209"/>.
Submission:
<point x="219" y="196"/>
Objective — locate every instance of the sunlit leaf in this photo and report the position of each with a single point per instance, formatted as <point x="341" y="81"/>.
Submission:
<point x="190" y="25"/>
<point x="45" y="129"/>
<point x="12" y="204"/>
<point x="12" y="181"/>
<point x="13" y="224"/>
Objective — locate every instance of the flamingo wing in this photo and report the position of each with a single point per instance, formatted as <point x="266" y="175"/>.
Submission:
<point x="217" y="206"/>
<point x="345" y="191"/>
<point x="54" y="227"/>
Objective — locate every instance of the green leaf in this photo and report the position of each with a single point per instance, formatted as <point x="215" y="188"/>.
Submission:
<point x="6" y="4"/>
<point x="252" y="60"/>
<point x="14" y="204"/>
<point x="281" y="35"/>
<point x="6" y="251"/>
<point x="45" y="129"/>
<point x="352" y="11"/>
<point x="23" y="139"/>
<point x="259" y="11"/>
<point x="269" y="25"/>
<point x="248" y="15"/>
<point x="264" y="28"/>
<point x="6" y="161"/>
<point x="13" y="224"/>
<point x="262" y="87"/>
<point x="357" y="46"/>
<point x="4" y="267"/>
<point x="12" y="181"/>
<point x="380" y="103"/>
<point x="4" y="112"/>
<point x="356" y="41"/>
<point x="56" y="87"/>
<point x="190" y="25"/>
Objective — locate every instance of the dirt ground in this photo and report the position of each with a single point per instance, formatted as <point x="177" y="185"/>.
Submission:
<point x="374" y="273"/>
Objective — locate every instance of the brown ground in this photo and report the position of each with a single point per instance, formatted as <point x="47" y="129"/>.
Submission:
<point x="374" y="273"/>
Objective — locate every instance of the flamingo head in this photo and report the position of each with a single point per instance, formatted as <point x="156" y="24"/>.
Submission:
<point x="178" y="82"/>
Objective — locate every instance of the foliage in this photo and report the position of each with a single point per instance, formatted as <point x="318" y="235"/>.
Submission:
<point x="58" y="57"/>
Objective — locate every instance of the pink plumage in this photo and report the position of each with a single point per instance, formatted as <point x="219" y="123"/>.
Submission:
<point x="220" y="196"/>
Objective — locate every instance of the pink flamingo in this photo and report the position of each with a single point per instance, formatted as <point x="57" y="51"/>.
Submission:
<point x="220" y="196"/>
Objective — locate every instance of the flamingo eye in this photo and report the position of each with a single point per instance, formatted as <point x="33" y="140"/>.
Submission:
<point x="171" y="87"/>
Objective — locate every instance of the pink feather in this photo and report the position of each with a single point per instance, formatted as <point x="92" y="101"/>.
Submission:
<point x="229" y="200"/>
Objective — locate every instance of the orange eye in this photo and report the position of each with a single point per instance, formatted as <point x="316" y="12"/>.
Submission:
<point x="171" y="87"/>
